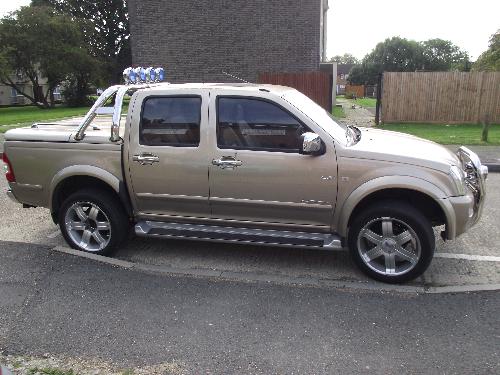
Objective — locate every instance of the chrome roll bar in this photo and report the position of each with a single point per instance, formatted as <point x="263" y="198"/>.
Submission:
<point x="120" y="91"/>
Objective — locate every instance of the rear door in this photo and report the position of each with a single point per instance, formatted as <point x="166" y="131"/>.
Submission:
<point x="167" y="156"/>
<point x="257" y="173"/>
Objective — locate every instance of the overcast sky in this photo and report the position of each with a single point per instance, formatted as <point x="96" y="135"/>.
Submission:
<point x="356" y="27"/>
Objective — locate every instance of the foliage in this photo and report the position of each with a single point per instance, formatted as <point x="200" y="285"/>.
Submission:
<point x="346" y="58"/>
<point x="402" y="55"/>
<point x="443" y="55"/>
<point x="456" y="134"/>
<point x="38" y="42"/>
<point x="110" y="39"/>
<point x="490" y="59"/>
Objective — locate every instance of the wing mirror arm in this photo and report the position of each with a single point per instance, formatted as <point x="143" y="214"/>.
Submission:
<point x="311" y="144"/>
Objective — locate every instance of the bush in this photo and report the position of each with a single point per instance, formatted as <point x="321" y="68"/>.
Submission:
<point x="350" y="95"/>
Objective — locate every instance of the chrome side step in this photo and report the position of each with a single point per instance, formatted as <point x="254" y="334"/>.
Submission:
<point x="238" y="235"/>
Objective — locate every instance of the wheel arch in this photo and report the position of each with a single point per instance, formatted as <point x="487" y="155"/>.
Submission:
<point x="73" y="178"/>
<point x="424" y="195"/>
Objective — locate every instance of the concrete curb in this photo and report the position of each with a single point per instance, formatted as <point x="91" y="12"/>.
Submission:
<point x="373" y="286"/>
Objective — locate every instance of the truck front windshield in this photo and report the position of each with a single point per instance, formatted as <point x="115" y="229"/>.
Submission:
<point x="317" y="114"/>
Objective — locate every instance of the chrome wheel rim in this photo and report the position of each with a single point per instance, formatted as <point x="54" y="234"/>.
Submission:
<point x="88" y="226"/>
<point x="389" y="246"/>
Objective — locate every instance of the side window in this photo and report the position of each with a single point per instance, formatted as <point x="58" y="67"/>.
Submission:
<point x="170" y="121"/>
<point x="253" y="124"/>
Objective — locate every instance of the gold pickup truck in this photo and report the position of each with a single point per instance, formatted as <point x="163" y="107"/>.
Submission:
<point x="247" y="164"/>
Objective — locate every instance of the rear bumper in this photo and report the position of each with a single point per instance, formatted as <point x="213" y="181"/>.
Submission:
<point x="11" y="195"/>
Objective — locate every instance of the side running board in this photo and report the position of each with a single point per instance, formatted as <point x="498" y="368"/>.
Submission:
<point x="238" y="235"/>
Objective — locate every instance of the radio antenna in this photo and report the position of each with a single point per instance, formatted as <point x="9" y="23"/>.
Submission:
<point x="232" y="76"/>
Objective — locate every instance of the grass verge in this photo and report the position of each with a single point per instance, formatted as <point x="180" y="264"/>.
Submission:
<point x="26" y="114"/>
<point x="451" y="134"/>
<point x="363" y="102"/>
<point x="338" y="112"/>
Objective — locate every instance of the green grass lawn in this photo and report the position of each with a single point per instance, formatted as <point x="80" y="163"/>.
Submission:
<point x="363" y="102"/>
<point x="366" y="102"/>
<point x="338" y="112"/>
<point x="463" y="134"/>
<point x="21" y="115"/>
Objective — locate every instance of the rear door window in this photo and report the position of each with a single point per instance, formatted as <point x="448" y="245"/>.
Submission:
<point x="171" y="121"/>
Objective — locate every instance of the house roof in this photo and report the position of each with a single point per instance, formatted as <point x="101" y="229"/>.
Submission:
<point x="344" y="68"/>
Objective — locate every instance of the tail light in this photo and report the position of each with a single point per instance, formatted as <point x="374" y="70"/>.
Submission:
<point x="9" y="172"/>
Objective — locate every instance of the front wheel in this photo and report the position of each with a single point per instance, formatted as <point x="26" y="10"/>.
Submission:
<point x="392" y="242"/>
<point x="93" y="221"/>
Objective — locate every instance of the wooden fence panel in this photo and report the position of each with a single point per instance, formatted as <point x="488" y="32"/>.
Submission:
<point x="441" y="97"/>
<point x="316" y="85"/>
<point x="359" y="90"/>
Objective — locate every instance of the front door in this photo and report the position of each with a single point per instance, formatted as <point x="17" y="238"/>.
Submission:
<point x="257" y="174"/>
<point x="167" y="162"/>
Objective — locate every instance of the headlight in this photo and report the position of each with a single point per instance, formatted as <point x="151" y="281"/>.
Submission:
<point x="458" y="177"/>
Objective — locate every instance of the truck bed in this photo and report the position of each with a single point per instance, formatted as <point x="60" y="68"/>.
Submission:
<point x="41" y="154"/>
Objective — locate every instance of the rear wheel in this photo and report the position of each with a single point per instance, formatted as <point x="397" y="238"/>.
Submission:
<point x="392" y="242"/>
<point x="93" y="221"/>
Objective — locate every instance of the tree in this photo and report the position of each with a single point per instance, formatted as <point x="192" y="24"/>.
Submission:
<point x="110" y="41"/>
<point x="402" y="55"/>
<point x="393" y="55"/>
<point x="490" y="59"/>
<point x="443" y="55"/>
<point x="346" y="58"/>
<point x="37" y="42"/>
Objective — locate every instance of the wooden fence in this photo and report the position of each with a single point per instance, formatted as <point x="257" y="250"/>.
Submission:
<point x="359" y="90"/>
<point x="441" y="97"/>
<point x="316" y="85"/>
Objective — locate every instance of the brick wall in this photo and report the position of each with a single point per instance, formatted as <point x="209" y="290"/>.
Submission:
<point x="195" y="39"/>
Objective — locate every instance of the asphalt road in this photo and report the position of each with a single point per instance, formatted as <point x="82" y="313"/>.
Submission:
<point x="65" y="305"/>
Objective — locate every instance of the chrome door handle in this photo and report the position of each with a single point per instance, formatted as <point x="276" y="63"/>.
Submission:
<point x="146" y="159"/>
<point x="226" y="162"/>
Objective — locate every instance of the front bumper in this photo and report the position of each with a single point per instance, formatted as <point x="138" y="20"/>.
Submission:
<point x="11" y="195"/>
<point x="469" y="208"/>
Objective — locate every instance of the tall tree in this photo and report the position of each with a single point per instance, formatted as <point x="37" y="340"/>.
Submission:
<point x="393" y="55"/>
<point x="402" y="55"/>
<point x="110" y="42"/>
<point x="37" y="42"/>
<point x="490" y="59"/>
<point x="443" y="55"/>
<point x="346" y="58"/>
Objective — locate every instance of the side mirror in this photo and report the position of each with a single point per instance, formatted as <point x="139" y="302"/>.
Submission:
<point x="311" y="144"/>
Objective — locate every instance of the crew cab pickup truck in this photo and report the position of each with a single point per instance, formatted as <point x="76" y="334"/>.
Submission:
<point x="247" y="164"/>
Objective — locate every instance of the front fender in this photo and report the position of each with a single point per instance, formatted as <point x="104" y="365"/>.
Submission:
<point x="343" y="214"/>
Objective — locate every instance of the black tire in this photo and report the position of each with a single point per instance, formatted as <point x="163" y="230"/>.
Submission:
<point x="403" y="214"/>
<point x="111" y="212"/>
